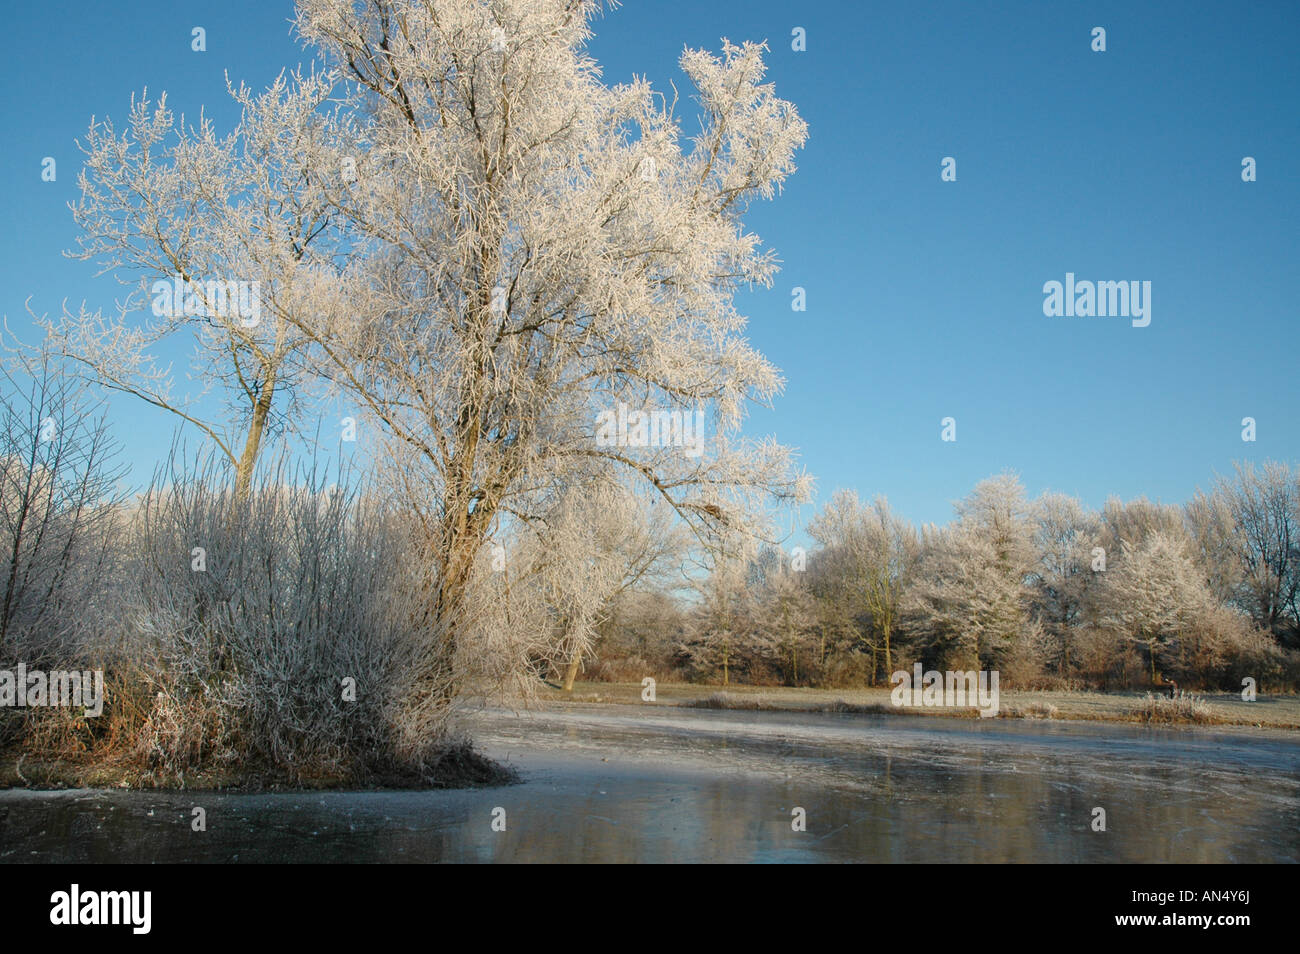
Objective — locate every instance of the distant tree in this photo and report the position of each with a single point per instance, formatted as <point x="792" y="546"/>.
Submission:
<point x="1153" y="596"/>
<point x="615" y="541"/>
<point x="786" y="624"/>
<point x="999" y="512"/>
<point x="1064" y="537"/>
<point x="1264" y="504"/>
<point x="643" y="623"/>
<point x="1134" y="521"/>
<point x="970" y="603"/>
<point x="1214" y="539"/>
<point x="964" y="609"/>
<point x="723" y="630"/>
<point x="867" y="555"/>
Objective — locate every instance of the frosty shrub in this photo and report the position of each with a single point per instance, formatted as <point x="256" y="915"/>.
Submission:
<point x="279" y="632"/>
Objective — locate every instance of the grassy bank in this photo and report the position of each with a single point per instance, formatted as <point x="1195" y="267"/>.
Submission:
<point x="456" y="765"/>
<point x="1281" y="711"/>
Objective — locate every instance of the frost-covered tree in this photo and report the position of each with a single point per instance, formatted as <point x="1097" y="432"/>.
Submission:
<point x="1153" y="596"/>
<point x="1215" y="545"/>
<point x="723" y="637"/>
<point x="543" y="251"/>
<point x="226" y="245"/>
<point x="998" y="511"/>
<point x="1132" y="522"/>
<point x="963" y="608"/>
<point x="1264" y="505"/>
<point x="863" y="567"/>
<point x="599" y="541"/>
<point x="786" y="625"/>
<point x="970" y="605"/>
<point x="59" y="510"/>
<point x="1064" y="537"/>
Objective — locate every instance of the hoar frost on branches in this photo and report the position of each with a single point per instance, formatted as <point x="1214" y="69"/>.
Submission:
<point x="524" y="273"/>
<point x="461" y="229"/>
<point x="180" y="206"/>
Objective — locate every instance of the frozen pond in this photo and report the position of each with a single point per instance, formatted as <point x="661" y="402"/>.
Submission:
<point x="647" y="783"/>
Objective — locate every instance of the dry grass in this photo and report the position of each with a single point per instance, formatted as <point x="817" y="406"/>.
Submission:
<point x="1181" y="708"/>
<point x="1273" y="711"/>
<point x="727" y="700"/>
<point x="1032" y="710"/>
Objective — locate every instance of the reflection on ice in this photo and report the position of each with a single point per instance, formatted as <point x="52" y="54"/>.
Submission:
<point x="657" y="783"/>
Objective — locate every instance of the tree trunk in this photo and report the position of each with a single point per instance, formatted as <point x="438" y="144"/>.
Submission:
<point x="571" y="673"/>
<point x="439" y="684"/>
<point x="889" y="658"/>
<point x="253" y="442"/>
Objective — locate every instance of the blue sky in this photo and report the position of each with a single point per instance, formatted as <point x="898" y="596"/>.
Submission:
<point x="924" y="298"/>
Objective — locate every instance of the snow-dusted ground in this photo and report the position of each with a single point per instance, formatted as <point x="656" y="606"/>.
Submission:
<point x="645" y="783"/>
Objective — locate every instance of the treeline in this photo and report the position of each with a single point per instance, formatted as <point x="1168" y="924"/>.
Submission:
<point x="1046" y="591"/>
